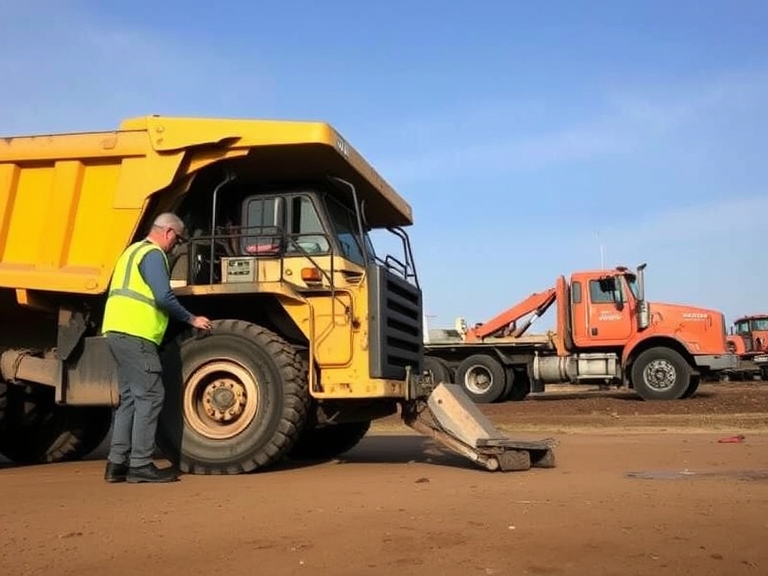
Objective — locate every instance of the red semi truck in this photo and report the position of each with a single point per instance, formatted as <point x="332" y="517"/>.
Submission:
<point x="607" y="333"/>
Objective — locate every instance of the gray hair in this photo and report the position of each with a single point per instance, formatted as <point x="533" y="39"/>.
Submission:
<point x="169" y="220"/>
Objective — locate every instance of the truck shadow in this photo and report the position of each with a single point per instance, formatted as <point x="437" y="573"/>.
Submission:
<point x="374" y="449"/>
<point x="627" y="396"/>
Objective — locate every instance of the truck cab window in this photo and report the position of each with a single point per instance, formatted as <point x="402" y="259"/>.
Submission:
<point x="605" y="291"/>
<point x="262" y="226"/>
<point x="345" y="228"/>
<point x="306" y="230"/>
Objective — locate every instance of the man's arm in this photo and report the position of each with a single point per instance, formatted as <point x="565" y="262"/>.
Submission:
<point x="155" y="273"/>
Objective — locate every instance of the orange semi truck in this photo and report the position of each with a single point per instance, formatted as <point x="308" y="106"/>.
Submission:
<point x="749" y="341"/>
<point x="607" y="333"/>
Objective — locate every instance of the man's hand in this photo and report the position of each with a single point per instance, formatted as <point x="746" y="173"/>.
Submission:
<point x="201" y="322"/>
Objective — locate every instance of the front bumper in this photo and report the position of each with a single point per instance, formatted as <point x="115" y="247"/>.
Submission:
<point x="717" y="362"/>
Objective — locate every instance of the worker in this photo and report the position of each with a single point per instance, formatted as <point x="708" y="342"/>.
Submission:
<point x="139" y="305"/>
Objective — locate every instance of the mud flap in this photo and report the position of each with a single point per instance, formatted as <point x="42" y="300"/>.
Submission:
<point x="449" y="416"/>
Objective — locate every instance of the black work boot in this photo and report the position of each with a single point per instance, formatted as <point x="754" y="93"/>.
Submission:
<point x="115" y="472"/>
<point x="151" y="473"/>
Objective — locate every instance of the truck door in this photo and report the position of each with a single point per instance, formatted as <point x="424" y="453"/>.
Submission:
<point x="609" y="317"/>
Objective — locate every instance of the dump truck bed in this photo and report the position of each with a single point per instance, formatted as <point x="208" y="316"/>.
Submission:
<point x="70" y="203"/>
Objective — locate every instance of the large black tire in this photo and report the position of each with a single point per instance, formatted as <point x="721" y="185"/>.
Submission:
<point x="661" y="374"/>
<point x="518" y="385"/>
<point x="329" y="441"/>
<point x="236" y="399"/>
<point x="440" y="369"/>
<point x="34" y="430"/>
<point x="483" y="378"/>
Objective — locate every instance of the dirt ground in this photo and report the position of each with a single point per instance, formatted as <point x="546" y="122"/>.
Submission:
<point x="640" y="488"/>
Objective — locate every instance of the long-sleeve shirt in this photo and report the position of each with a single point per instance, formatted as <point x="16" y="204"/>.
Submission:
<point x="155" y="273"/>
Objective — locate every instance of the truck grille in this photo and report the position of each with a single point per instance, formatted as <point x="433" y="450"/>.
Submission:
<point x="395" y="325"/>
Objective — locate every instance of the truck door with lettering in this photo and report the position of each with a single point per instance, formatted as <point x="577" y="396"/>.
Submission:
<point x="610" y="317"/>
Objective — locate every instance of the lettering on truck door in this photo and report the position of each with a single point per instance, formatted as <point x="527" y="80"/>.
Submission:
<point x="610" y="316"/>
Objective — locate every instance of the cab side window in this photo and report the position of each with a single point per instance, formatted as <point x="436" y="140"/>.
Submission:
<point x="261" y="234"/>
<point x="306" y="230"/>
<point x="606" y="291"/>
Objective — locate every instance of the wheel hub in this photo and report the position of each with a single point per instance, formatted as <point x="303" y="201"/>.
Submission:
<point x="478" y="380"/>
<point x="221" y="399"/>
<point x="660" y="374"/>
<point x="224" y="399"/>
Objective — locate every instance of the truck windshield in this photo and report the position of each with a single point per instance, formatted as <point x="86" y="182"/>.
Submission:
<point x="345" y="228"/>
<point x="632" y="283"/>
<point x="344" y="222"/>
<point x="742" y="327"/>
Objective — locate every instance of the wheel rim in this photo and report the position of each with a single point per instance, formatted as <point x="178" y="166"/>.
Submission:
<point x="478" y="379"/>
<point x="660" y="374"/>
<point x="220" y="399"/>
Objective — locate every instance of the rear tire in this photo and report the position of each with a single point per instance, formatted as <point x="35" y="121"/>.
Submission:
<point x="661" y="374"/>
<point x="328" y="441"/>
<point x="439" y="368"/>
<point x="236" y="399"/>
<point x="35" y="430"/>
<point x="518" y="385"/>
<point x="483" y="378"/>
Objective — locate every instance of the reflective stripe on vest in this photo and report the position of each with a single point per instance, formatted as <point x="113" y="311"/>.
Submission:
<point x="131" y="306"/>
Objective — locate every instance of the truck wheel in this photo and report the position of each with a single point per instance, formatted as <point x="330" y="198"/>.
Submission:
<point x="329" y="441"/>
<point x="693" y="386"/>
<point x="236" y="399"/>
<point x="34" y="430"/>
<point x="661" y="374"/>
<point x="441" y="371"/>
<point x="518" y="385"/>
<point x="482" y="377"/>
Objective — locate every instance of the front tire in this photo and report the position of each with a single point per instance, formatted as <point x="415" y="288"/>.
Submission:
<point x="661" y="374"/>
<point x="236" y="400"/>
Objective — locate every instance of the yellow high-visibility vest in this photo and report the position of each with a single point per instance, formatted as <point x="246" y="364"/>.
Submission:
<point x="131" y="307"/>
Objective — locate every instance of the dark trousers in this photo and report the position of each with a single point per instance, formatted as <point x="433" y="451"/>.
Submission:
<point x="140" y="382"/>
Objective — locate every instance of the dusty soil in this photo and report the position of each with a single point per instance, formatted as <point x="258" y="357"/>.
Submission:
<point x="639" y="489"/>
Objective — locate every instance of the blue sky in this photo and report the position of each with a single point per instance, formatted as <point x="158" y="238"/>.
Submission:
<point x="524" y="134"/>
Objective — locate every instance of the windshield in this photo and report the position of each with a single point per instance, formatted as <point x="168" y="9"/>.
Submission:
<point x="742" y="327"/>
<point x="344" y="223"/>
<point x="345" y="228"/>
<point x="632" y="282"/>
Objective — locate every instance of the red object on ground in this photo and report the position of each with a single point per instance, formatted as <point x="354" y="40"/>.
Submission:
<point x="732" y="439"/>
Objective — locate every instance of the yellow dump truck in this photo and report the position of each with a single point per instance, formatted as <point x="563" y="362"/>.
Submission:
<point x="315" y="334"/>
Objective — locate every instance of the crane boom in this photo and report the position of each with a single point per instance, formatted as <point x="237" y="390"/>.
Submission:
<point x="537" y="303"/>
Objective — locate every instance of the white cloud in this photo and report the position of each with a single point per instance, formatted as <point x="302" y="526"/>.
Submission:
<point x="628" y="119"/>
